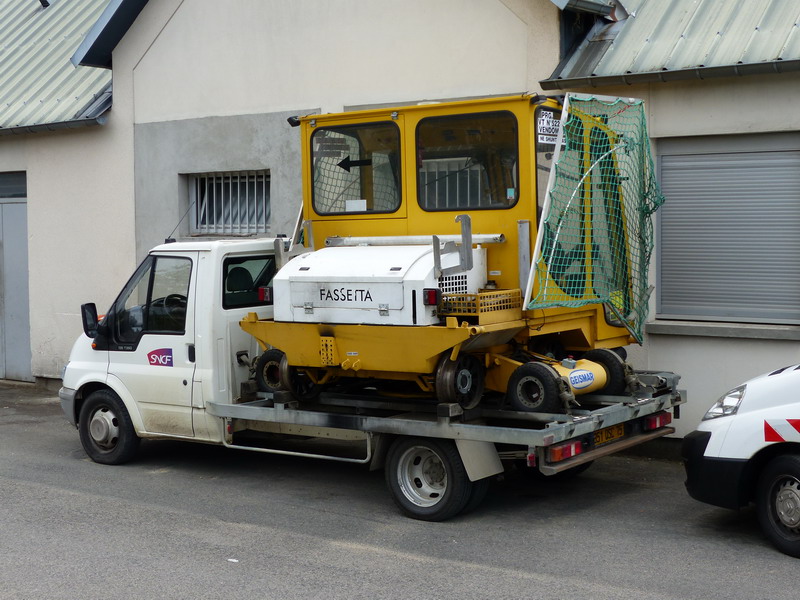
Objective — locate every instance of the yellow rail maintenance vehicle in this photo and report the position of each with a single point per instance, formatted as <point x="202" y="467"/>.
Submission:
<point x="482" y="250"/>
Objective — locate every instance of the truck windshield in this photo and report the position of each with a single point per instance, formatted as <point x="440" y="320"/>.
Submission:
<point x="467" y="161"/>
<point x="356" y="169"/>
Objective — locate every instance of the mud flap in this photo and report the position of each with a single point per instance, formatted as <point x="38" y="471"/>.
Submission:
<point x="480" y="459"/>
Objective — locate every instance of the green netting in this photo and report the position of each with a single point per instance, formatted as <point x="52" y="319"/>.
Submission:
<point x="596" y="232"/>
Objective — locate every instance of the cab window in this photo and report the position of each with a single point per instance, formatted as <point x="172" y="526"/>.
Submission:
<point x="245" y="281"/>
<point x="154" y="300"/>
<point x="356" y="169"/>
<point x="468" y="162"/>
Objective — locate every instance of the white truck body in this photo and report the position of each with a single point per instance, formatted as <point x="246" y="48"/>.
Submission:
<point x="747" y="450"/>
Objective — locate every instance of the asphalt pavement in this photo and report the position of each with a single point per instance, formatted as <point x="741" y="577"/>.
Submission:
<point x="195" y="521"/>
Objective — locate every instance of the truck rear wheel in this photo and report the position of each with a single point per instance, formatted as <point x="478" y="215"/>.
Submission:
<point x="778" y="503"/>
<point x="427" y="479"/>
<point x="533" y="387"/>
<point x="105" y="428"/>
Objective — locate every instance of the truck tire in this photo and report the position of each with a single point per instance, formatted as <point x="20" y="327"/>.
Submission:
<point x="778" y="503"/>
<point x="105" y="428"/>
<point x="268" y="371"/>
<point x="533" y="387"/>
<point x="427" y="479"/>
<point x="614" y="366"/>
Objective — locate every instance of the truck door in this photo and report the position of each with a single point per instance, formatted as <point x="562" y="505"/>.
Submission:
<point x="151" y="350"/>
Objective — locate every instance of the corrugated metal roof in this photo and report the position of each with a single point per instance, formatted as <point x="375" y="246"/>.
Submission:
<point x="686" y="39"/>
<point x="39" y="86"/>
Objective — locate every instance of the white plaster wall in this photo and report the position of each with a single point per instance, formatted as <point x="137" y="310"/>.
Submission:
<point x="239" y="57"/>
<point x="80" y="229"/>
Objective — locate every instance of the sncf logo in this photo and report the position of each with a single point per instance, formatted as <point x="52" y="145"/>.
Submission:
<point x="160" y="358"/>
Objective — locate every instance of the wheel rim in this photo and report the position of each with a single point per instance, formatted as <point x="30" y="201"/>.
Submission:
<point x="272" y="373"/>
<point x="786" y="505"/>
<point x="530" y="391"/>
<point x="104" y="428"/>
<point x="422" y="476"/>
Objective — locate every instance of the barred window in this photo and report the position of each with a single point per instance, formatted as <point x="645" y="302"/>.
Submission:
<point x="230" y="203"/>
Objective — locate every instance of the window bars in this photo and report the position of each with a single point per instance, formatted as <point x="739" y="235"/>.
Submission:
<point x="233" y="203"/>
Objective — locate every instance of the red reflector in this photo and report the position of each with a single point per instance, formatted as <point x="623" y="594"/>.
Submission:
<point x="657" y="421"/>
<point x="265" y="294"/>
<point x="565" y="451"/>
<point x="431" y="296"/>
<point x="531" y="460"/>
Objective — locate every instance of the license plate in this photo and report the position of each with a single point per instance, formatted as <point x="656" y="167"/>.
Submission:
<point x="609" y="434"/>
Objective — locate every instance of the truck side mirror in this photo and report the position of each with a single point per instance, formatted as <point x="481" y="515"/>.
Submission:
<point x="89" y="318"/>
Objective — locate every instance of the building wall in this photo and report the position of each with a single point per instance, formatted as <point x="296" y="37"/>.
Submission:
<point x="80" y="229"/>
<point x="167" y="151"/>
<point x="713" y="357"/>
<point x="214" y="82"/>
<point x="243" y="57"/>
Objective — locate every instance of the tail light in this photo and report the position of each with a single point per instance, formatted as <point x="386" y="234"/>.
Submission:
<point x="431" y="296"/>
<point x="265" y="294"/>
<point x="657" y="421"/>
<point x="564" y="451"/>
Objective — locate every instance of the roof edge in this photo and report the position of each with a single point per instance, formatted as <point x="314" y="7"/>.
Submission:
<point x="73" y="124"/>
<point x="96" y="48"/>
<point x="739" y="70"/>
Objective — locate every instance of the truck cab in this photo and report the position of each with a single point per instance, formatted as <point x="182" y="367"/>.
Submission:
<point x="171" y="340"/>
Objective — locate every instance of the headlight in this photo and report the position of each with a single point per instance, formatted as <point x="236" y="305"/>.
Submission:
<point x="727" y="405"/>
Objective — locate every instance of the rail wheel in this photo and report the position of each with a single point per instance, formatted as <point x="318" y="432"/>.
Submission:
<point x="460" y="380"/>
<point x="268" y="370"/>
<point x="297" y="382"/>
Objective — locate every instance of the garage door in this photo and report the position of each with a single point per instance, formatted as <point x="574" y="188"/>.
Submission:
<point x="729" y="231"/>
<point x="15" y="346"/>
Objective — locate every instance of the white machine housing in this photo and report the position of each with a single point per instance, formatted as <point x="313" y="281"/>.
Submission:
<point x="370" y="285"/>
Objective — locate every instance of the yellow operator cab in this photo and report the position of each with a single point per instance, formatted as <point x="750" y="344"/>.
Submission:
<point x="421" y="225"/>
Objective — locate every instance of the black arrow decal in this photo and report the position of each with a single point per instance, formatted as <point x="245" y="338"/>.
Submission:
<point x="346" y="163"/>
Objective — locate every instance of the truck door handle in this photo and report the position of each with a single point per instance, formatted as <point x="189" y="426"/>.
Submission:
<point x="190" y="348"/>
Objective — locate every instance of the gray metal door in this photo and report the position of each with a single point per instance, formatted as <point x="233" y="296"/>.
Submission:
<point x="15" y="341"/>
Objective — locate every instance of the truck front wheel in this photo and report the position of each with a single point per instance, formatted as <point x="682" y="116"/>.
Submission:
<point x="778" y="503"/>
<point x="427" y="478"/>
<point x="106" y="430"/>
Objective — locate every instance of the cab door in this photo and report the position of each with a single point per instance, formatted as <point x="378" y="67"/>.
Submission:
<point x="152" y="337"/>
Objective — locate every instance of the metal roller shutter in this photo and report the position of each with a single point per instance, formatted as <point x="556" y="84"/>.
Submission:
<point x="729" y="232"/>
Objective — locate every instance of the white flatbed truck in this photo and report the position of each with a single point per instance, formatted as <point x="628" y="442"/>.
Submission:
<point x="170" y="361"/>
